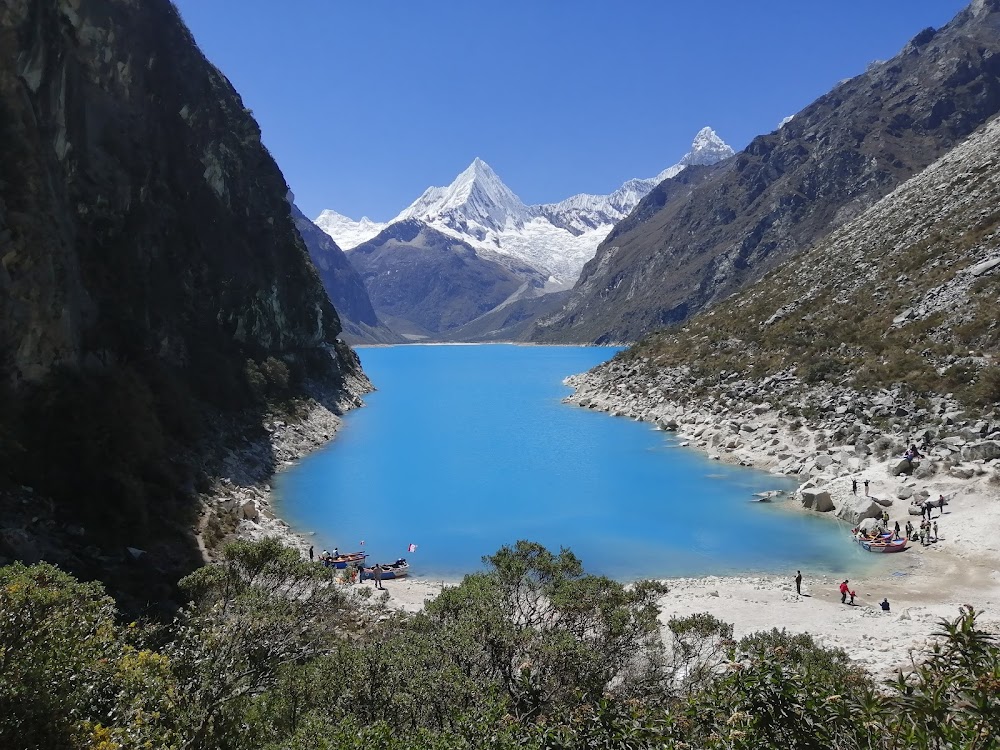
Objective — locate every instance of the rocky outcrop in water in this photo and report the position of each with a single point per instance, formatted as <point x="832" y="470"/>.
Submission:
<point x="154" y="292"/>
<point x="790" y="188"/>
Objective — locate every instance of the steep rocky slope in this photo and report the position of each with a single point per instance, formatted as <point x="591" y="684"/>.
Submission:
<point x="885" y="333"/>
<point x="424" y="283"/>
<point x="344" y="286"/>
<point x="154" y="292"/>
<point x="787" y="189"/>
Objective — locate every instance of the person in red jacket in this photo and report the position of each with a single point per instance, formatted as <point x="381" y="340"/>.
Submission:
<point x="844" y="591"/>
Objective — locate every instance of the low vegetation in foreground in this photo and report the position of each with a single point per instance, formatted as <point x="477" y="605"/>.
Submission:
<point x="531" y="653"/>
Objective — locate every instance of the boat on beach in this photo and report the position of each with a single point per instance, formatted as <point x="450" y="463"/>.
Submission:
<point x="398" y="569"/>
<point x="881" y="543"/>
<point x="342" y="561"/>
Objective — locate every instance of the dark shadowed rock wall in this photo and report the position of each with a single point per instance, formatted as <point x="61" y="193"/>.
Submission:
<point x="152" y="281"/>
<point x="344" y="286"/>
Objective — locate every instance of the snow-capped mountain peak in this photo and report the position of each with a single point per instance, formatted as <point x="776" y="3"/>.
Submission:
<point x="558" y="238"/>
<point x="345" y="231"/>
<point x="707" y="148"/>
<point x="477" y="195"/>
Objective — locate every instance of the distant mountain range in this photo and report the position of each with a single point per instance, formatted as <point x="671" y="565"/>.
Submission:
<point x="555" y="238"/>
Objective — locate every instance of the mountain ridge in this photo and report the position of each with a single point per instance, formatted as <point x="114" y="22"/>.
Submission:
<point x="788" y="188"/>
<point x="557" y="238"/>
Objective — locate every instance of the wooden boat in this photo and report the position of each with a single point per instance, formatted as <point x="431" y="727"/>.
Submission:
<point x="342" y="561"/>
<point x="398" y="569"/>
<point x="883" y="544"/>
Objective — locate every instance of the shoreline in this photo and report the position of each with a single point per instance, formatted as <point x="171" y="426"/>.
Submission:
<point x="923" y="583"/>
<point x="935" y="580"/>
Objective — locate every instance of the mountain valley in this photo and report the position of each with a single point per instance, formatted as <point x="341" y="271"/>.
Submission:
<point x="544" y="245"/>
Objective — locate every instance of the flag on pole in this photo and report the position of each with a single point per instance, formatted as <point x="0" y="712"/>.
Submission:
<point x="411" y="548"/>
<point x="362" y="542"/>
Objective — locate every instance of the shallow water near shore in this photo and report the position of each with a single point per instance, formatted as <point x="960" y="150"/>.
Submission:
<point x="466" y="448"/>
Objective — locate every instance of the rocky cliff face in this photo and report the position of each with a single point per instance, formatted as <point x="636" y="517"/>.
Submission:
<point x="344" y="286"/>
<point x="151" y="275"/>
<point x="789" y="188"/>
<point x="883" y="334"/>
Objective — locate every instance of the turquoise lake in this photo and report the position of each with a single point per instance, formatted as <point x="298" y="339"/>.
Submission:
<point x="463" y="449"/>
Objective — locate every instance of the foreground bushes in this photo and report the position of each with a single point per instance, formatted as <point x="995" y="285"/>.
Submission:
<point x="531" y="653"/>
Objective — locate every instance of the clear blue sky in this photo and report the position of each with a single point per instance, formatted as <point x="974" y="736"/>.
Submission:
<point x="364" y="103"/>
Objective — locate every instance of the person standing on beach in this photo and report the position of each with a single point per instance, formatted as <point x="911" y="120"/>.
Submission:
<point x="895" y="531"/>
<point x="854" y="486"/>
<point x="935" y="531"/>
<point x="866" y="488"/>
<point x="310" y="553"/>
<point x="377" y="576"/>
<point x="798" y="582"/>
<point x="843" y="592"/>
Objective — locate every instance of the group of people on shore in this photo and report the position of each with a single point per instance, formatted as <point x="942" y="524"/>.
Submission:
<point x="847" y="591"/>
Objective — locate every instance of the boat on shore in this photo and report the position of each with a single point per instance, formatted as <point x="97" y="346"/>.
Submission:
<point x="398" y="569"/>
<point x="343" y="561"/>
<point x="881" y="543"/>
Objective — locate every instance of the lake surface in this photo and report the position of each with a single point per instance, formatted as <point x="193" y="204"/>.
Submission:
<point x="466" y="448"/>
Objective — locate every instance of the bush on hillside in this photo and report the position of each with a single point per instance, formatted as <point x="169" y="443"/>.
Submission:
<point x="530" y="654"/>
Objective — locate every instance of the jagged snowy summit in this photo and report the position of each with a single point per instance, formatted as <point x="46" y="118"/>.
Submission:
<point x="557" y="238"/>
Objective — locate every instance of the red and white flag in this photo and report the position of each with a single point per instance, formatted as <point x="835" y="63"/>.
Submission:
<point x="411" y="548"/>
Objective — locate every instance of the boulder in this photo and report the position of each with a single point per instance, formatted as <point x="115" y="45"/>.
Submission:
<point x="986" y="450"/>
<point x="885" y="502"/>
<point x="20" y="544"/>
<point x="823" y="503"/>
<point x="856" y="509"/>
<point x="904" y="492"/>
<point x="903" y="467"/>
<point x="249" y="511"/>
<point x="824" y="460"/>
<point x="962" y="472"/>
